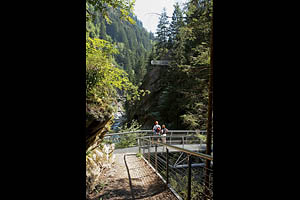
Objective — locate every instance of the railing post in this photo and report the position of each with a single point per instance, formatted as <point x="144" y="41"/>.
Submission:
<point x="186" y="140"/>
<point x="149" y="152"/>
<point x="206" y="181"/>
<point x="167" y="167"/>
<point x="143" y="144"/>
<point x="139" y="144"/>
<point x="200" y="145"/>
<point x="189" y="177"/>
<point x="182" y="141"/>
<point x="156" y="157"/>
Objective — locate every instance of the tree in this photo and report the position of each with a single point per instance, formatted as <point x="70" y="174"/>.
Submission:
<point x="135" y="39"/>
<point x="175" y="25"/>
<point x="177" y="37"/>
<point x="183" y="99"/>
<point x="103" y="78"/>
<point x="125" y="7"/>
<point x="102" y="34"/>
<point x="197" y="31"/>
<point x="196" y="67"/>
<point x="162" y="33"/>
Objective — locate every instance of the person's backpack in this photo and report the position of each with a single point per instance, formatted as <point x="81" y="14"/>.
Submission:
<point x="157" y="130"/>
<point x="164" y="131"/>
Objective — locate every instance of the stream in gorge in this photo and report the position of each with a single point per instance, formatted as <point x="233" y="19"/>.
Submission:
<point x="119" y="116"/>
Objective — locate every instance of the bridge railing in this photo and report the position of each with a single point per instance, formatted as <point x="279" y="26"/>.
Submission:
<point x="130" y="139"/>
<point x="149" y="132"/>
<point x="187" y="172"/>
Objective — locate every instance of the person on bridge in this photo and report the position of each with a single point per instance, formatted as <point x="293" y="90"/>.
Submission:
<point x="163" y="133"/>
<point x="156" y="130"/>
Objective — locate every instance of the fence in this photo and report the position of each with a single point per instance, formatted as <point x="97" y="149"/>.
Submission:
<point x="188" y="172"/>
<point x="178" y="159"/>
<point x="129" y="139"/>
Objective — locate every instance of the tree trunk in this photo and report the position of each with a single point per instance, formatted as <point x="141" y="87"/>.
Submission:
<point x="209" y="120"/>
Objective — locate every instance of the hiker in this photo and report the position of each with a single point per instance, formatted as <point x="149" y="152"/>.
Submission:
<point x="156" y="130"/>
<point x="164" y="132"/>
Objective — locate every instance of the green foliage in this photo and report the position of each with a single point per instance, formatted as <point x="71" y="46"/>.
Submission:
<point x="103" y="6"/>
<point x="201" y="137"/>
<point x="197" y="189"/>
<point x="162" y="34"/>
<point x="103" y="79"/>
<point x="183" y="89"/>
<point x="132" y="41"/>
<point x="191" y="120"/>
<point x="191" y="56"/>
<point x="176" y="24"/>
<point x="112" y="67"/>
<point x="139" y="155"/>
<point x="129" y="140"/>
<point x="130" y="126"/>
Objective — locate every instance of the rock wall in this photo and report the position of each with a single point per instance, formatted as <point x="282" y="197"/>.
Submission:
<point x="96" y="162"/>
<point x="96" y="129"/>
<point x="145" y="110"/>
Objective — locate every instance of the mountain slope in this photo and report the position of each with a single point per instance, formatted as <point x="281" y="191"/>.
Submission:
<point x="132" y="40"/>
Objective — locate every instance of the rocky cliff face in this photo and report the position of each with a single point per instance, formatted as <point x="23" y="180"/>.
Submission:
<point x="97" y="161"/>
<point x="145" y="110"/>
<point x="98" y="120"/>
<point x="96" y="129"/>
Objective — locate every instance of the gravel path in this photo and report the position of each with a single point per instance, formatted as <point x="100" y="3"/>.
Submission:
<point x="143" y="182"/>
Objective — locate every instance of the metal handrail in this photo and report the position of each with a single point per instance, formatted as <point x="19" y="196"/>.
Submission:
<point x="169" y="136"/>
<point x="201" y="155"/>
<point x="150" y="131"/>
<point x="163" y="165"/>
<point x="138" y="131"/>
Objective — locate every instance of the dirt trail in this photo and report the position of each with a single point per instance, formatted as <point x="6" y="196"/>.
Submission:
<point x="144" y="183"/>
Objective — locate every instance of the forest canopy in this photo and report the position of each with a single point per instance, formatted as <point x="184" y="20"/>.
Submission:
<point x="181" y="99"/>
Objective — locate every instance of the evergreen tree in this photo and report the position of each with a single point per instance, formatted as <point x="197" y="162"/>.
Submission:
<point x="162" y="34"/>
<point x="183" y="98"/>
<point x="122" y="36"/>
<point x="102" y="34"/>
<point x="177" y="37"/>
<point x="198" y="31"/>
<point x="197" y="53"/>
<point x="175" y="25"/>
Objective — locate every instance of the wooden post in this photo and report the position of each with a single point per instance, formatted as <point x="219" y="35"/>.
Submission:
<point x="210" y="106"/>
<point x="210" y="101"/>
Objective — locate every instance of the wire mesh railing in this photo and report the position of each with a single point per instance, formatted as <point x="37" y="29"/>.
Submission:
<point x="187" y="171"/>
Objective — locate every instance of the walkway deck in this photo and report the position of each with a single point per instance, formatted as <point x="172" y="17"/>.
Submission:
<point x="142" y="184"/>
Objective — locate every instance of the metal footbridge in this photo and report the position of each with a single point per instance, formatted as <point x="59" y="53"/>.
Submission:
<point x="179" y="159"/>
